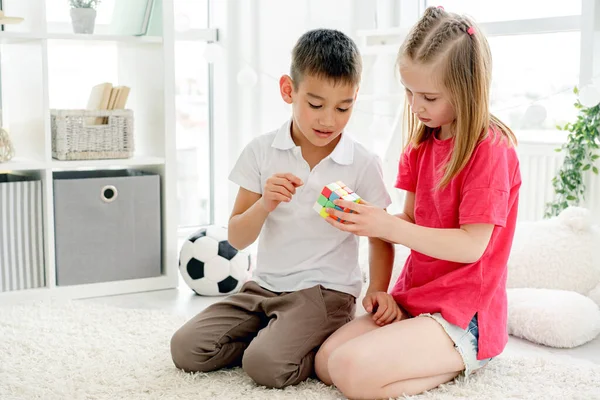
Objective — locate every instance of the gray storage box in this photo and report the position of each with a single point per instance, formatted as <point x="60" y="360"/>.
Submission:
<point x="108" y="226"/>
<point x="21" y="233"/>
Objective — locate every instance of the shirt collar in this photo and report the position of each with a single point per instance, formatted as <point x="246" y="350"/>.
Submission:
<point x="342" y="154"/>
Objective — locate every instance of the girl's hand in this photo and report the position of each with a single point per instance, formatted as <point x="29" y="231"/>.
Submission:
<point x="384" y="308"/>
<point x="366" y="220"/>
<point x="278" y="188"/>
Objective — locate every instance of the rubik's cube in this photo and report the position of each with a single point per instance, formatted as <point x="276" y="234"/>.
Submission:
<point x="331" y="192"/>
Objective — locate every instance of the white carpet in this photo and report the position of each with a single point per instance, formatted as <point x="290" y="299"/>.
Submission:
<point x="84" y="351"/>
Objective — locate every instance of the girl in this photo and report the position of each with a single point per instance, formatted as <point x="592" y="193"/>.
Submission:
<point x="446" y="314"/>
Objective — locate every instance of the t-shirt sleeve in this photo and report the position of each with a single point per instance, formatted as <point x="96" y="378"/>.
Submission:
<point x="486" y="188"/>
<point x="246" y="171"/>
<point x="371" y="186"/>
<point x="406" y="179"/>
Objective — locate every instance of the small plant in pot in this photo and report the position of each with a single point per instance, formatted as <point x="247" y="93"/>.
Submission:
<point x="83" y="15"/>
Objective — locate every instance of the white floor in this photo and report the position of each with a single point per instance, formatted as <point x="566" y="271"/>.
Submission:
<point x="184" y="302"/>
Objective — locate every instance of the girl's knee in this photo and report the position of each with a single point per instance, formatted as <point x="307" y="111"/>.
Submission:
<point x="344" y="367"/>
<point x="321" y="369"/>
<point x="322" y="359"/>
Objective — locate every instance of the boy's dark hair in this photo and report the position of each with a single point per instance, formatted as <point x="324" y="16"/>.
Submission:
<point x="326" y="53"/>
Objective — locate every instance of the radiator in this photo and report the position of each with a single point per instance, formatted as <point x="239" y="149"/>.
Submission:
<point x="539" y="164"/>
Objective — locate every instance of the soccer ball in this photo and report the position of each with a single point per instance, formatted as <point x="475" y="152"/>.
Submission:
<point x="210" y="265"/>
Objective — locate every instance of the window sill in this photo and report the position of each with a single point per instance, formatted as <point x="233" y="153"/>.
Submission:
<point x="549" y="136"/>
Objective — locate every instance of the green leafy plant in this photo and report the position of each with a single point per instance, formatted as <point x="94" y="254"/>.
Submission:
<point x="84" y="3"/>
<point x="580" y="151"/>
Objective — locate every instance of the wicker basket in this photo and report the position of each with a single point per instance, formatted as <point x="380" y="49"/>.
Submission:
<point x="81" y="135"/>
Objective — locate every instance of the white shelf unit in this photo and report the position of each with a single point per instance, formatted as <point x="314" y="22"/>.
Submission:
<point x="30" y="89"/>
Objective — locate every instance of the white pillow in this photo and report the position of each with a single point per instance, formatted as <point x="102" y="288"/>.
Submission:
<point x="556" y="318"/>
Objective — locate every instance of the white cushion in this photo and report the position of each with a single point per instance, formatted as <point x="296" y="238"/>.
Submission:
<point x="555" y="318"/>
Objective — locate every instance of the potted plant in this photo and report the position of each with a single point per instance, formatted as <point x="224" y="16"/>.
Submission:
<point x="581" y="153"/>
<point x="83" y="15"/>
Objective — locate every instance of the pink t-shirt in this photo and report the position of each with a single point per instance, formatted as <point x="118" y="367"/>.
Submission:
<point x="486" y="191"/>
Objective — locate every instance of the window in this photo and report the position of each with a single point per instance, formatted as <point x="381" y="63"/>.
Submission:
<point x="526" y="74"/>
<point x="190" y="14"/>
<point x="491" y="11"/>
<point x="192" y="113"/>
<point x="193" y="142"/>
<point x="532" y="84"/>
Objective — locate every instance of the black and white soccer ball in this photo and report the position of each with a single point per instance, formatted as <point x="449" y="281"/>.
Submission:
<point x="210" y="265"/>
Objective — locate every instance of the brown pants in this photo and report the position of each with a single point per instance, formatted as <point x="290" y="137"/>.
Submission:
<point x="273" y="336"/>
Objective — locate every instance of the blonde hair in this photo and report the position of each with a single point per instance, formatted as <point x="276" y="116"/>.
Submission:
<point x="455" y="45"/>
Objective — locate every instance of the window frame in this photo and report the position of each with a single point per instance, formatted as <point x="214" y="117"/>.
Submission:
<point x="210" y="35"/>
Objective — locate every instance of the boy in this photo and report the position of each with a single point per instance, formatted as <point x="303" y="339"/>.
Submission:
<point x="307" y="276"/>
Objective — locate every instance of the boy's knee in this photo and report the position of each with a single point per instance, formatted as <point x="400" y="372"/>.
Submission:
<point x="261" y="367"/>
<point x="185" y="352"/>
<point x="180" y="350"/>
<point x="265" y="370"/>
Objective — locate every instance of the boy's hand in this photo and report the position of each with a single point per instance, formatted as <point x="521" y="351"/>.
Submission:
<point x="278" y="188"/>
<point x="384" y="308"/>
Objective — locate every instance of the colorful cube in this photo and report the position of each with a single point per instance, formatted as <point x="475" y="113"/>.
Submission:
<point x="332" y="192"/>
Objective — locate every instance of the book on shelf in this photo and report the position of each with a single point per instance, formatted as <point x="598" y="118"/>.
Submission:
<point x="98" y="100"/>
<point x="132" y="17"/>
<point x="105" y="96"/>
<point x="154" y="26"/>
<point x="122" y="95"/>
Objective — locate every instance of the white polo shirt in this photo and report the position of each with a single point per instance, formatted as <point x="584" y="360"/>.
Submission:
<point x="297" y="248"/>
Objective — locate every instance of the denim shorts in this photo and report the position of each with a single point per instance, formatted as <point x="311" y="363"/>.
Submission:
<point x="465" y="342"/>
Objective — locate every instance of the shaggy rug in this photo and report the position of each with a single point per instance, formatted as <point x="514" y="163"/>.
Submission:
<point x="88" y="351"/>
